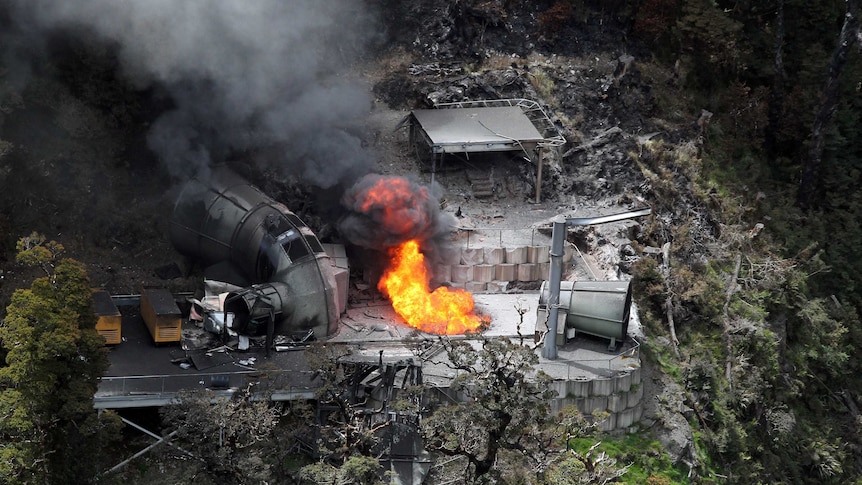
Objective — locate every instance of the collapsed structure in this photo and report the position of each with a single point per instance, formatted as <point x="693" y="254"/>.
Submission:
<point x="285" y="282"/>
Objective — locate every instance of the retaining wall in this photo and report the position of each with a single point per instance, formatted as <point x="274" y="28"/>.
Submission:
<point x="493" y="269"/>
<point x="621" y="396"/>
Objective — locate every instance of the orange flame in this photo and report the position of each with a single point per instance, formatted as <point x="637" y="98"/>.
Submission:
<point x="399" y="207"/>
<point x="444" y="311"/>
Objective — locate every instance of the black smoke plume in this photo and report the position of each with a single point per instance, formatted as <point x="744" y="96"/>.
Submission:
<point x="384" y="211"/>
<point x="240" y="75"/>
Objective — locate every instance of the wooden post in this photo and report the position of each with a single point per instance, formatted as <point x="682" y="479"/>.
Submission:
<point x="540" y="162"/>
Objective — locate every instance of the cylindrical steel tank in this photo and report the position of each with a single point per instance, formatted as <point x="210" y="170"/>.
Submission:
<point x="225" y="219"/>
<point x="600" y="308"/>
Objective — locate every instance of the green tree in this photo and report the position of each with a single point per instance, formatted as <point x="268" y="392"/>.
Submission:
<point x="34" y="250"/>
<point x="230" y="436"/>
<point x="588" y="467"/>
<point x="356" y="470"/>
<point x="348" y="442"/>
<point x="503" y="424"/>
<point x="49" y="430"/>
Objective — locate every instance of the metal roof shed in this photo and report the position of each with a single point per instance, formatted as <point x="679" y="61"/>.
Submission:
<point x="495" y="129"/>
<point x="486" y="126"/>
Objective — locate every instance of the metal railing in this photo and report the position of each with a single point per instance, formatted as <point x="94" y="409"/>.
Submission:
<point x="166" y="387"/>
<point x="169" y="385"/>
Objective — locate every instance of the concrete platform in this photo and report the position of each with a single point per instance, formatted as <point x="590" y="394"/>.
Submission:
<point x="377" y="325"/>
<point x="376" y="321"/>
<point x="144" y="374"/>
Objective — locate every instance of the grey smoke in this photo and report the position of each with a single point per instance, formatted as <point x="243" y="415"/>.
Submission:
<point x="241" y="75"/>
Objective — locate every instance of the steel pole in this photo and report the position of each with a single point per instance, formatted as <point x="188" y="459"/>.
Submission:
<point x="539" y="175"/>
<point x="558" y="237"/>
<point x="549" y="351"/>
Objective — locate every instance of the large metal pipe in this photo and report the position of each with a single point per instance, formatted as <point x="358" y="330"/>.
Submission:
<point x="253" y="307"/>
<point x="600" y="308"/>
<point x="224" y="219"/>
<point x="588" y="221"/>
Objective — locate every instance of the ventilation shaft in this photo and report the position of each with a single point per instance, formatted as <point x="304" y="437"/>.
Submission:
<point x="261" y="246"/>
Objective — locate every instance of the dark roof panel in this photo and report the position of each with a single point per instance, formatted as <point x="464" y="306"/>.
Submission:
<point x="162" y="301"/>
<point x="103" y="305"/>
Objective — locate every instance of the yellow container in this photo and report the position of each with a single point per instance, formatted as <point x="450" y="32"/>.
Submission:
<point x="109" y="322"/>
<point x="161" y="314"/>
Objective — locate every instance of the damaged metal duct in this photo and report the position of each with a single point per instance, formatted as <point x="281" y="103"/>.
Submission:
<point x="256" y="243"/>
<point x="255" y="306"/>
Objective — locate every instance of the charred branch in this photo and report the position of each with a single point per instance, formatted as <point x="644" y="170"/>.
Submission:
<point x="847" y="38"/>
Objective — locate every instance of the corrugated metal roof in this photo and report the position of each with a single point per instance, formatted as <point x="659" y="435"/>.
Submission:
<point x="477" y="129"/>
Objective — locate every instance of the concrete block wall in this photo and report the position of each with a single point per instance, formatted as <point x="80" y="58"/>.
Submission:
<point x="497" y="286"/>
<point x="494" y="269"/>
<point x="462" y="273"/>
<point x="483" y="272"/>
<point x="495" y="255"/>
<point x="620" y="396"/>
<point x="505" y="271"/>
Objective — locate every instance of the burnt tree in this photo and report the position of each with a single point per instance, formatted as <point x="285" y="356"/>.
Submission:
<point x="847" y="38"/>
<point x="776" y="103"/>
